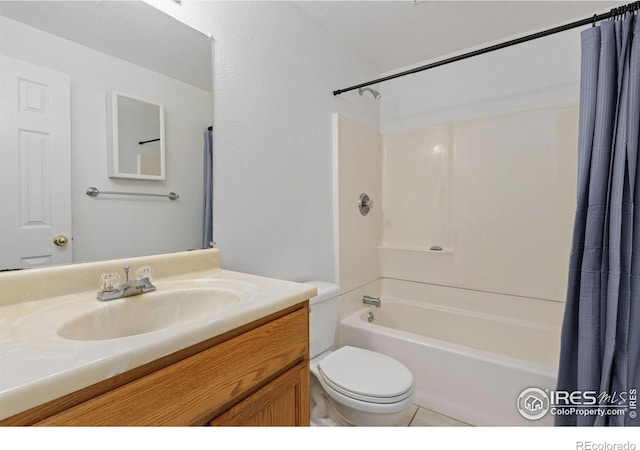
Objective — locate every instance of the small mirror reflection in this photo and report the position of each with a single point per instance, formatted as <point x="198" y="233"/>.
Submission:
<point x="138" y="137"/>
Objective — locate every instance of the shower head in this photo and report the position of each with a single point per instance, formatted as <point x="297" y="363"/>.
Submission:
<point x="375" y="93"/>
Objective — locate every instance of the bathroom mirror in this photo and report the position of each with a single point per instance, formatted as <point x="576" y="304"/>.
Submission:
<point x="154" y="61"/>
<point x="136" y="144"/>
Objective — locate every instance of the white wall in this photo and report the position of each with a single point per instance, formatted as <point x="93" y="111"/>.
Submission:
<point x="274" y="73"/>
<point x="536" y="74"/>
<point x="108" y="226"/>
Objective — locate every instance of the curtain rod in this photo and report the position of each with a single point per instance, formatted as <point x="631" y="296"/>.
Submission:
<point x="631" y="7"/>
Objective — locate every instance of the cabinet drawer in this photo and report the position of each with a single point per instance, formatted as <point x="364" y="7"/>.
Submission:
<point x="198" y="388"/>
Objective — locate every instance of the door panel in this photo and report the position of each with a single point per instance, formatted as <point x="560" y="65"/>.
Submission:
<point x="35" y="164"/>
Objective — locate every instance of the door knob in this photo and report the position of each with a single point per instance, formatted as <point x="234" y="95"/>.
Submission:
<point x="60" y="240"/>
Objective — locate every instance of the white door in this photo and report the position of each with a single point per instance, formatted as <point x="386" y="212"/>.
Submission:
<point x="35" y="165"/>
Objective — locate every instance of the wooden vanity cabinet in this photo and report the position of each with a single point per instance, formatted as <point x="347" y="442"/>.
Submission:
<point x="256" y="375"/>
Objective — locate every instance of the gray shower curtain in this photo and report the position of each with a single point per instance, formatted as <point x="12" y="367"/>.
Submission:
<point x="601" y="329"/>
<point x="207" y="183"/>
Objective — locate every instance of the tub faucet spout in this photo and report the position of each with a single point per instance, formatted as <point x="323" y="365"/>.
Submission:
<point x="367" y="300"/>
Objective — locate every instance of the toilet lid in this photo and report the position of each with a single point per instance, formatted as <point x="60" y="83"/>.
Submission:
<point x="366" y="375"/>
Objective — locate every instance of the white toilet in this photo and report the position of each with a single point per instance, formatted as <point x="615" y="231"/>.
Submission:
<point x="350" y="385"/>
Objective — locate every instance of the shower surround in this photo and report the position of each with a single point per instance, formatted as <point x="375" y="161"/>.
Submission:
<point x="484" y="204"/>
<point x="477" y="216"/>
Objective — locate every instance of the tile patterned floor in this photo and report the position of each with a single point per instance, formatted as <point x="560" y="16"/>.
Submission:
<point x="421" y="417"/>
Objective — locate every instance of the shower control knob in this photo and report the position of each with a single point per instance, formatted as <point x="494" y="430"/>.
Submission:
<point x="364" y="204"/>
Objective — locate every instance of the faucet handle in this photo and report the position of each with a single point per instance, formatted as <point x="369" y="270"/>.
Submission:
<point x="145" y="272"/>
<point x="109" y="281"/>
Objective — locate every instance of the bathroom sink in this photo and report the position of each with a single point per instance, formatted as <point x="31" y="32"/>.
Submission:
<point x="149" y="312"/>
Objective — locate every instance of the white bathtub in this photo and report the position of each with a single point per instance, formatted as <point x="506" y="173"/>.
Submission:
<point x="468" y="363"/>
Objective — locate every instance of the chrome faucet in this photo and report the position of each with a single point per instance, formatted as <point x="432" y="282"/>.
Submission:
<point x="367" y="300"/>
<point x="126" y="289"/>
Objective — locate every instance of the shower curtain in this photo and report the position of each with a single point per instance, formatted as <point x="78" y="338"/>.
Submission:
<point x="207" y="210"/>
<point x="601" y="329"/>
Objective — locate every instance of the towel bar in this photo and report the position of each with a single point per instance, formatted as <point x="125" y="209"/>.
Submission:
<point x="93" y="192"/>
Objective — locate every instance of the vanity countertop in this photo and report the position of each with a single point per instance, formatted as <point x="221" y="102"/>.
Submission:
<point x="37" y="365"/>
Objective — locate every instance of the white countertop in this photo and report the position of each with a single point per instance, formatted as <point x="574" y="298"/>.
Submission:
<point x="37" y="365"/>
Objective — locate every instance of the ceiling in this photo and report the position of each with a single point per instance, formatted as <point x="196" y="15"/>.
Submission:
<point x="133" y="31"/>
<point x="390" y="35"/>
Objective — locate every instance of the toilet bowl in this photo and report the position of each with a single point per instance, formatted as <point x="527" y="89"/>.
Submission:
<point x="363" y="387"/>
<point x="350" y="385"/>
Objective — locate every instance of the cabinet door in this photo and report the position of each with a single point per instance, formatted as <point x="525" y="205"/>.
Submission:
<point x="282" y="403"/>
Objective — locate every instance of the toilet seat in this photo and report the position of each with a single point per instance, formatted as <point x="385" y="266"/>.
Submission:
<point x="364" y="398"/>
<point x="366" y="377"/>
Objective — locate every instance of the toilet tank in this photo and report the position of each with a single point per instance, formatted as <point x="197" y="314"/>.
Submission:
<point x="323" y="317"/>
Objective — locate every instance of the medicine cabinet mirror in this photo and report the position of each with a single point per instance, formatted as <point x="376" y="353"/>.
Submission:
<point x="136" y="144"/>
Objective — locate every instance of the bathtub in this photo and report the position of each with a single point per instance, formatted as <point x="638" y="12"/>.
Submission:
<point x="470" y="357"/>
